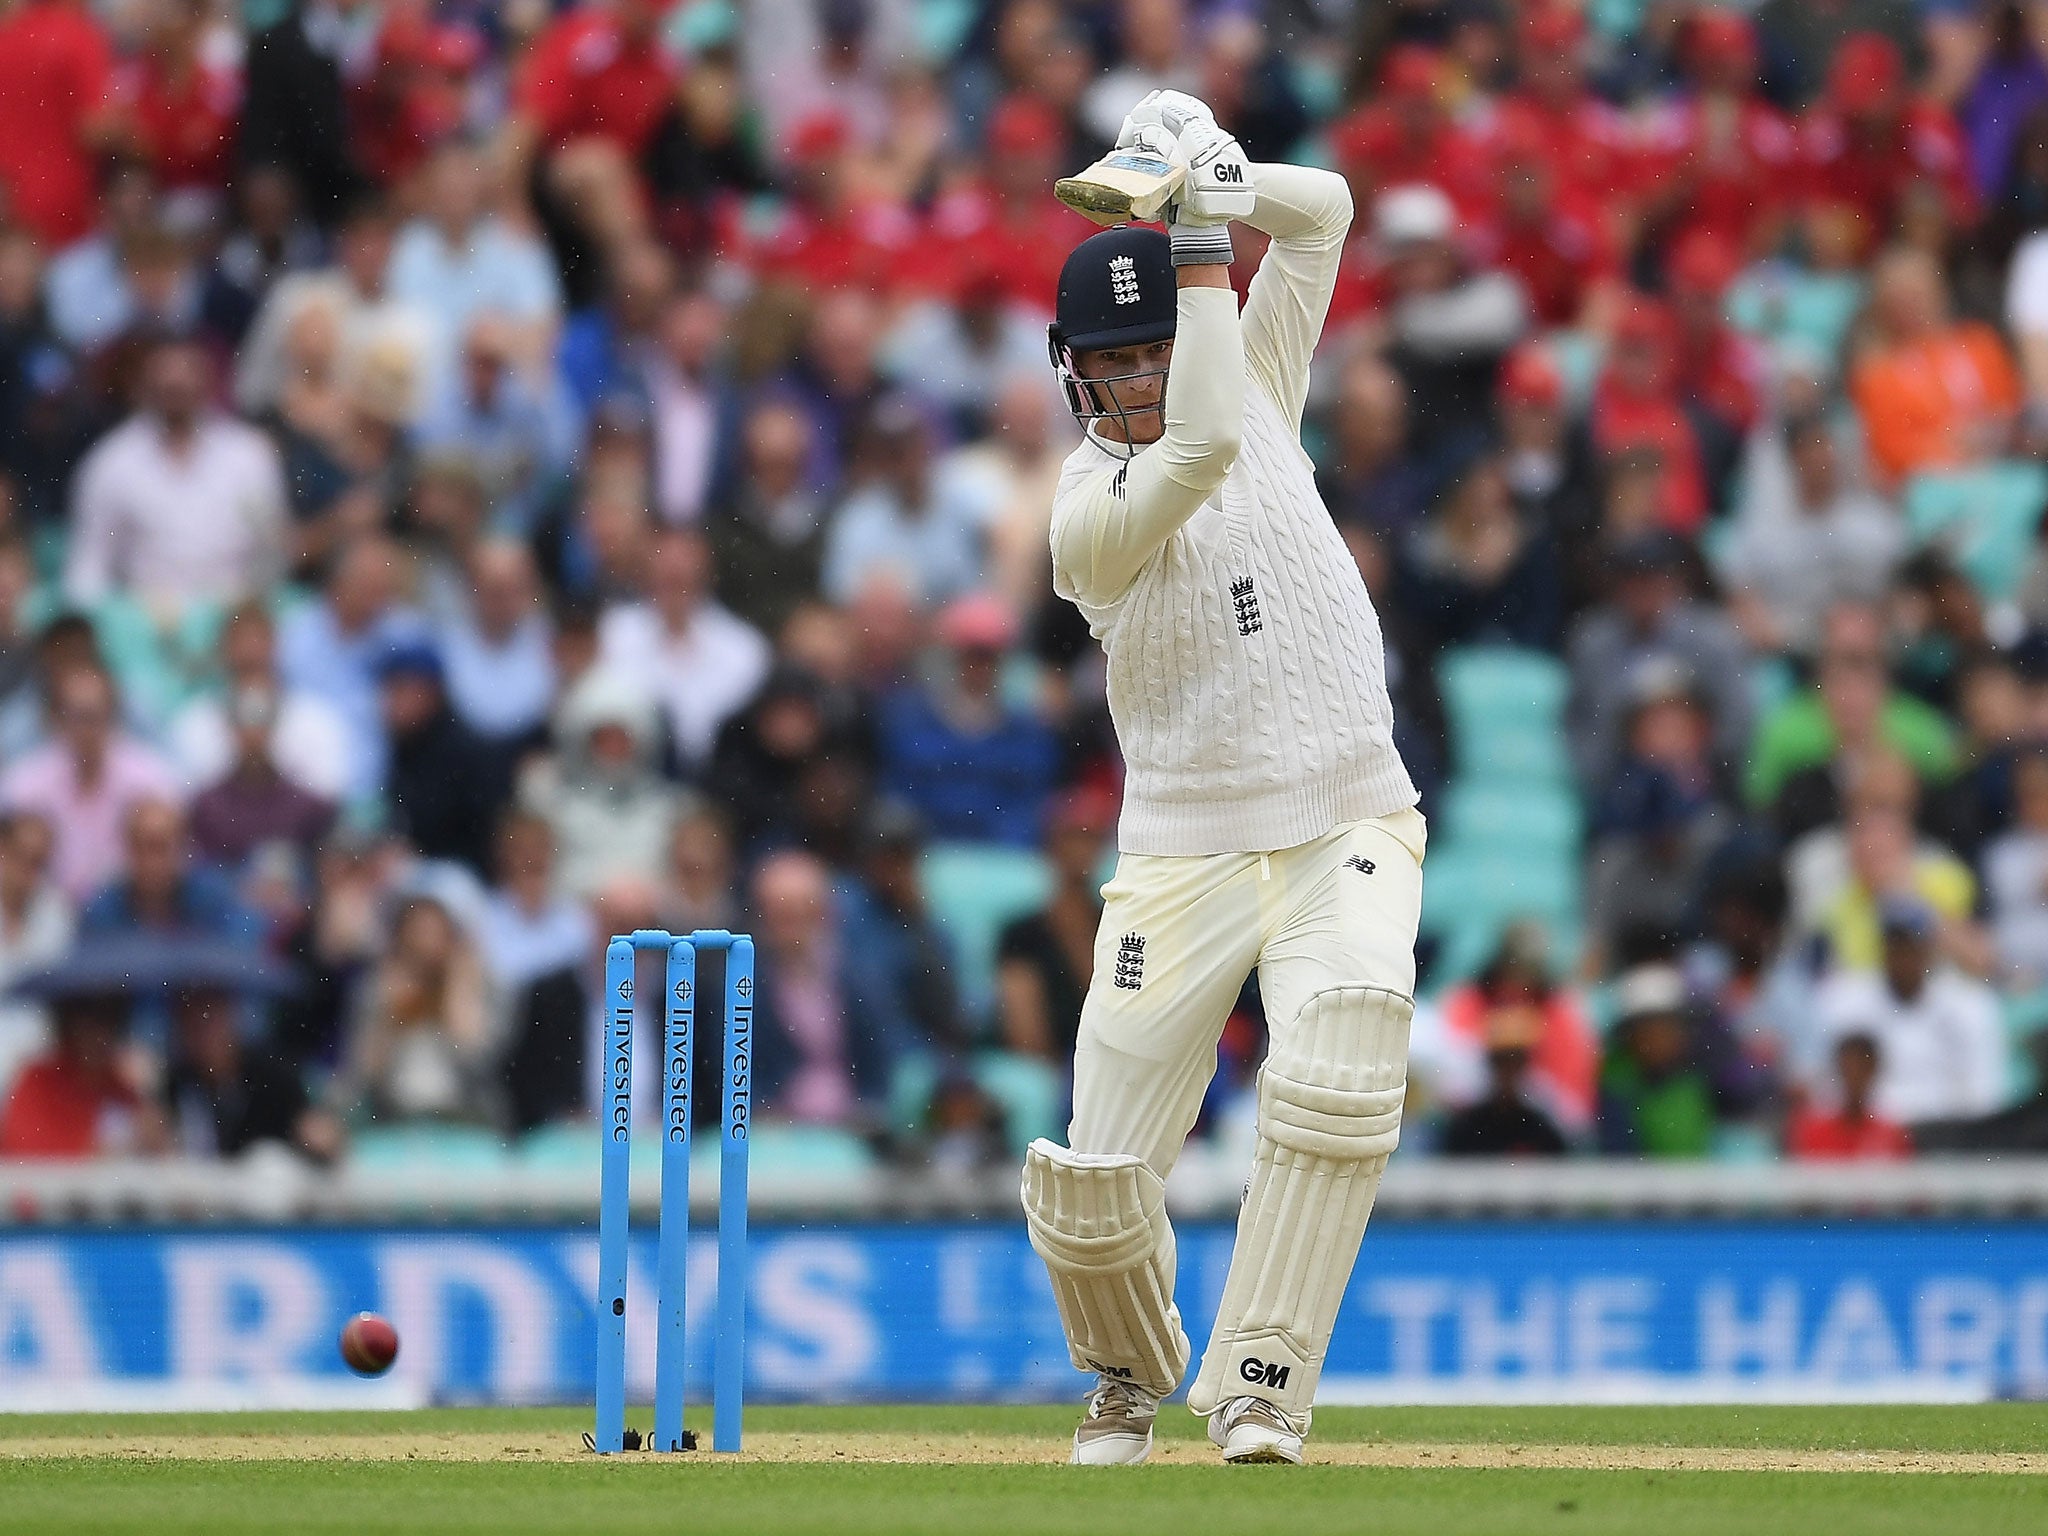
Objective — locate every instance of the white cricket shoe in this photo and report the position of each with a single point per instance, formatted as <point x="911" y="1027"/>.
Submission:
<point x="1251" y="1430"/>
<point x="1118" y="1429"/>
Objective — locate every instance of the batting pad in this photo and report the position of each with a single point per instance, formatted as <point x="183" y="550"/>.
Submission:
<point x="1329" y="1114"/>
<point x="1099" y="1222"/>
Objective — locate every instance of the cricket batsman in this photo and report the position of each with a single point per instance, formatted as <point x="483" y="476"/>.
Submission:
<point x="1267" y="819"/>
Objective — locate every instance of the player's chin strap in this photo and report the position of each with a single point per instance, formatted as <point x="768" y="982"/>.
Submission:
<point x="1084" y="395"/>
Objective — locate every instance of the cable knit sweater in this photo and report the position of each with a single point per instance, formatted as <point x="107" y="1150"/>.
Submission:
<point x="1246" y="674"/>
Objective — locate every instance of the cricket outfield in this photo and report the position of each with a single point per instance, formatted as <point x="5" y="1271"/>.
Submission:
<point x="979" y="1471"/>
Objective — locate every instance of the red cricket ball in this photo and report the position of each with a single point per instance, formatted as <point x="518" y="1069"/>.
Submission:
<point x="369" y="1344"/>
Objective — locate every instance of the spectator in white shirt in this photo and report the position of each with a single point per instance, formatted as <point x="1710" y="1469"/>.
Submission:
<point x="514" y="425"/>
<point x="686" y="404"/>
<point x="922" y="526"/>
<point x="2026" y="310"/>
<point x="332" y="647"/>
<point x="700" y="660"/>
<point x="1804" y="538"/>
<point x="457" y="261"/>
<point x="1939" y="1032"/>
<point x="1156" y="53"/>
<point x="35" y="928"/>
<point x="962" y="356"/>
<point x="531" y="928"/>
<point x="309" y="739"/>
<point x="2016" y="877"/>
<point x="178" y="504"/>
<point x="131" y="271"/>
<point x="499" y="654"/>
<point x="356" y="292"/>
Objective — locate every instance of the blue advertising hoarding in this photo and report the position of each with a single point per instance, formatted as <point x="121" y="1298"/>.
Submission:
<point x="1472" y="1311"/>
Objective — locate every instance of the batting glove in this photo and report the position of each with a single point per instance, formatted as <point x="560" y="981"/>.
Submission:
<point x="1217" y="189"/>
<point x="1174" y="111"/>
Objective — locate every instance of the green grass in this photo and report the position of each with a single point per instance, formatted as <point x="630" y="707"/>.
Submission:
<point x="954" y="1501"/>
<point x="699" y="1496"/>
<point x="2018" y="1427"/>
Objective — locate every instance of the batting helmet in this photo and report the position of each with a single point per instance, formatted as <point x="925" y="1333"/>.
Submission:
<point x="1117" y="289"/>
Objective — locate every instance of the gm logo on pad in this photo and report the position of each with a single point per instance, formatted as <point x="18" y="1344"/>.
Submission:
<point x="1259" y="1374"/>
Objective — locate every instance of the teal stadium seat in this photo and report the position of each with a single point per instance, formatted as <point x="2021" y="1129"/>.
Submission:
<point x="1803" y="316"/>
<point x="1985" y="519"/>
<point x="942" y="26"/>
<point x="1031" y="1092"/>
<point x="789" y="1154"/>
<point x="973" y="890"/>
<point x="2025" y="1016"/>
<point x="805" y="1151"/>
<point x="911" y="1085"/>
<point x="1032" y="1095"/>
<point x="440" y="1148"/>
<point x="1771" y="682"/>
<point x="1506" y="714"/>
<point x="1490" y="814"/>
<point x="1471" y="894"/>
<point x="567" y="1146"/>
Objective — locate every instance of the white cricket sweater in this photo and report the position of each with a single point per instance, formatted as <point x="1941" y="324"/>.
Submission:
<point x="1246" y="673"/>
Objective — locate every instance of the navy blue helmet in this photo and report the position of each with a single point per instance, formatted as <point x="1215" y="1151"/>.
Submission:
<point x="1117" y="289"/>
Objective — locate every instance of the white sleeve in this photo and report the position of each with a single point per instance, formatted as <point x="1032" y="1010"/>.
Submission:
<point x="1306" y="212"/>
<point x="270" y="503"/>
<point x="536" y="292"/>
<point x="1108" y="527"/>
<point x="91" y="565"/>
<point x="1987" y="1082"/>
<point x="2026" y="288"/>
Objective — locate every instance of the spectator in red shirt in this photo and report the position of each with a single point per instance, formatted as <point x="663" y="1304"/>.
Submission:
<point x="598" y="71"/>
<point x="1005" y="221"/>
<point x="838" y="229"/>
<point x="1585" y="141"/>
<point x="1543" y="454"/>
<point x="1404" y="135"/>
<point x="1720" y="371"/>
<point x="1636" y="409"/>
<point x="56" y="75"/>
<point x="1564" y="1059"/>
<point x="1552" y="238"/>
<point x="588" y="100"/>
<point x="177" y="109"/>
<point x="1854" y="1130"/>
<point x="1720" y="158"/>
<point x="1867" y="144"/>
<point x="83" y="1098"/>
<point x="416" y="97"/>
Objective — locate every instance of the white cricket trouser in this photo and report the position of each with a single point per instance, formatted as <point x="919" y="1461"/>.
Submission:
<point x="1330" y="925"/>
<point x="1180" y="934"/>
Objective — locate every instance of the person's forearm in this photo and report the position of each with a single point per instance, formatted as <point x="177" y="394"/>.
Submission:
<point x="2033" y="349"/>
<point x="1104" y="541"/>
<point x="1306" y="213"/>
<point x="1300" y="205"/>
<point x="1204" y="385"/>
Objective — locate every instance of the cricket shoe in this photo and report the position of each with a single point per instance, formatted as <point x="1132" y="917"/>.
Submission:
<point x="1252" y="1430"/>
<point x="1118" y="1429"/>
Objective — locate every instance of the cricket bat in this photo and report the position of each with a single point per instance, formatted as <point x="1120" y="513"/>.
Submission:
<point x="1124" y="186"/>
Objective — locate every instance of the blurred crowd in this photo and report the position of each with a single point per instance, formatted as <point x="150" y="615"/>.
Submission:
<point x="479" y="477"/>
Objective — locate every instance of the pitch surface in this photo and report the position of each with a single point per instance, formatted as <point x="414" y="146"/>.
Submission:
<point x="980" y="1471"/>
